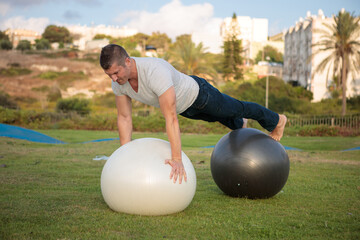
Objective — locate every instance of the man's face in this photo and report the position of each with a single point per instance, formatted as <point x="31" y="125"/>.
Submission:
<point x="118" y="73"/>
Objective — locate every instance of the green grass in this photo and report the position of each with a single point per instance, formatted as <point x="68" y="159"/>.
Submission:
<point x="53" y="192"/>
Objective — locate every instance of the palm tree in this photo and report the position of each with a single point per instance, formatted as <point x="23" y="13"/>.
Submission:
<point x="341" y="42"/>
<point x="189" y="58"/>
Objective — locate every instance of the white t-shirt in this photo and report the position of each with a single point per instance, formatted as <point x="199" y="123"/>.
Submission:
<point x="155" y="76"/>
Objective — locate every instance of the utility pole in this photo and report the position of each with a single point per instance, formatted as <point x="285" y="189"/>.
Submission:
<point x="267" y="84"/>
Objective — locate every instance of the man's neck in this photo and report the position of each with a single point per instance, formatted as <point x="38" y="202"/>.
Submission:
<point x="133" y="81"/>
<point x="133" y="71"/>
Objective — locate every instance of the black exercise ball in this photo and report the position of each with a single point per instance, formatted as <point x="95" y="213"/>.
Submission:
<point x="248" y="163"/>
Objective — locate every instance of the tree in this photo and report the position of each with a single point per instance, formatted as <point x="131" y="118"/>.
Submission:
<point x="190" y="59"/>
<point x="58" y="34"/>
<point x="273" y="53"/>
<point x="5" y="41"/>
<point x="141" y="39"/>
<point x="159" y="40"/>
<point x="340" y="41"/>
<point x="42" y="44"/>
<point x="24" y="45"/>
<point x="5" y="44"/>
<point x="129" y="44"/>
<point x="7" y="101"/>
<point x="3" y="36"/>
<point x="232" y="50"/>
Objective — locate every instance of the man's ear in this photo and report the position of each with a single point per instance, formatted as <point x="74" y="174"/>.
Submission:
<point x="127" y="61"/>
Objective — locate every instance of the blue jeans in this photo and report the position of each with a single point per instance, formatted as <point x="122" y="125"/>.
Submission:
<point x="213" y="106"/>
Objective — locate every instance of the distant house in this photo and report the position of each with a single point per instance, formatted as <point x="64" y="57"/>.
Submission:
<point x="16" y="35"/>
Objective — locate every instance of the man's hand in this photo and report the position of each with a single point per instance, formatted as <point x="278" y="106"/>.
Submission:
<point x="177" y="170"/>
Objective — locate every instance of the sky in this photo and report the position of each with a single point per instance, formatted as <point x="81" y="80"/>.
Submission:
<point x="173" y="17"/>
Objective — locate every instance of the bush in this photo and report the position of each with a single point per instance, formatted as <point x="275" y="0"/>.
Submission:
<point x="9" y="116"/>
<point x="100" y="122"/>
<point x="5" y="44"/>
<point x="43" y="118"/>
<point x="320" y="130"/>
<point x="80" y="106"/>
<point x="6" y="101"/>
<point x="54" y="94"/>
<point x="42" y="44"/>
<point x="14" y="71"/>
<point x="353" y="104"/>
<point x="24" y="45"/>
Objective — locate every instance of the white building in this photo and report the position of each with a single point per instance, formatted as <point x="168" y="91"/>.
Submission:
<point x="96" y="45"/>
<point x="299" y="66"/>
<point x="83" y="34"/>
<point x="251" y="30"/>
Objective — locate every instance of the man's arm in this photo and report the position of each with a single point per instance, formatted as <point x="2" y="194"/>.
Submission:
<point x="168" y="108"/>
<point x="124" y="119"/>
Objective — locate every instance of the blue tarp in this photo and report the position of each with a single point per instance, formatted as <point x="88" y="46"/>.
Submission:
<point x="26" y="134"/>
<point x="33" y="136"/>
<point x="351" y="149"/>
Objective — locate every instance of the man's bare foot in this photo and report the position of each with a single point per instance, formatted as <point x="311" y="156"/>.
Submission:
<point x="245" y="123"/>
<point x="277" y="133"/>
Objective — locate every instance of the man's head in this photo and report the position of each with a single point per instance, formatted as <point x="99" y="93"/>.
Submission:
<point x="116" y="63"/>
<point x="111" y="54"/>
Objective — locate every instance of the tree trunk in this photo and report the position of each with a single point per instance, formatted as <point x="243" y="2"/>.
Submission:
<point x="343" y="81"/>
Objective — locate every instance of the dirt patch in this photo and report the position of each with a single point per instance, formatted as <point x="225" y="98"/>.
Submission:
<point x="23" y="86"/>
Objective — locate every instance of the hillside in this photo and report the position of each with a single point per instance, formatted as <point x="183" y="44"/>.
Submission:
<point x="92" y="78"/>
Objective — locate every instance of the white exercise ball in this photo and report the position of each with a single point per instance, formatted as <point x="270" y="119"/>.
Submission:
<point x="136" y="180"/>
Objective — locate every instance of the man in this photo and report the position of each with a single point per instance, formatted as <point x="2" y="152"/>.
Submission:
<point x="155" y="82"/>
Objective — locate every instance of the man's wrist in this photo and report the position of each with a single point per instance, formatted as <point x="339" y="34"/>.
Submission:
<point x="178" y="159"/>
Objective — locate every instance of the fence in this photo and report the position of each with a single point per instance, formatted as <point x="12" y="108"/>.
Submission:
<point x="350" y="121"/>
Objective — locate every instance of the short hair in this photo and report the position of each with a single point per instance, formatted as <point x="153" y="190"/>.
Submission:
<point x="112" y="53"/>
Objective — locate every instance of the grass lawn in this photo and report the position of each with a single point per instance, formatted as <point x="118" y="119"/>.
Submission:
<point x="53" y="192"/>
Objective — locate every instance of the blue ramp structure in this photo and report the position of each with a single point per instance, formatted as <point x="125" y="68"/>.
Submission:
<point x="102" y="140"/>
<point x="351" y="149"/>
<point x="291" y="148"/>
<point x="26" y="134"/>
<point x="34" y="136"/>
